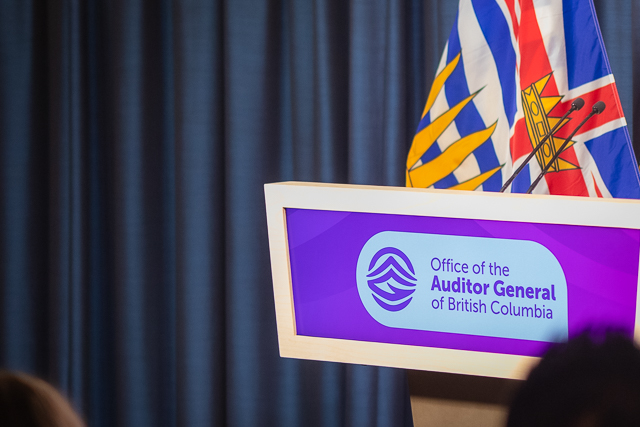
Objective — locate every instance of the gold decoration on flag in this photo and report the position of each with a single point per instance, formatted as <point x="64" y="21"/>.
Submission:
<point x="536" y="112"/>
<point x="425" y="175"/>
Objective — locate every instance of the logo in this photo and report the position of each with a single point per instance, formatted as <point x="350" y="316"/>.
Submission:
<point x="505" y="288"/>
<point x="391" y="278"/>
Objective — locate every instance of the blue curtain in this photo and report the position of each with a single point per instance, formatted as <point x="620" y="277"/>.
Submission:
<point x="135" y="139"/>
<point x="621" y="38"/>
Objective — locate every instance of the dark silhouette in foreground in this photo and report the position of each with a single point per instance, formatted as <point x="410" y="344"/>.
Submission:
<point x="27" y="401"/>
<point x="592" y="380"/>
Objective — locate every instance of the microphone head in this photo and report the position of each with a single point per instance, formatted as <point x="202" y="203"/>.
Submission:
<point x="599" y="107"/>
<point x="577" y="103"/>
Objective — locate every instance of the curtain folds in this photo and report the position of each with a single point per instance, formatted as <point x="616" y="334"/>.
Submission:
<point x="135" y="140"/>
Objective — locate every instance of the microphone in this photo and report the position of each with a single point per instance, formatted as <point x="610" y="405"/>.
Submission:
<point x="577" y="104"/>
<point x="598" y="108"/>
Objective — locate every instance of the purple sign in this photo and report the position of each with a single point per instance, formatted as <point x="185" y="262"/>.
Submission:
<point x="479" y="285"/>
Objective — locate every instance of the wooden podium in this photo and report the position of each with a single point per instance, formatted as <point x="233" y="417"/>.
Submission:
<point x="446" y="281"/>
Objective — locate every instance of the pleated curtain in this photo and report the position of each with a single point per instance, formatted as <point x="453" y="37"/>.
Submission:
<point x="135" y="140"/>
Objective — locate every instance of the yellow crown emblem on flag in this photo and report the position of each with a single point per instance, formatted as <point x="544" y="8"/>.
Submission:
<point x="536" y="112"/>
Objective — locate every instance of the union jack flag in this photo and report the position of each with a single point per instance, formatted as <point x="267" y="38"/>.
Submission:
<point x="509" y="72"/>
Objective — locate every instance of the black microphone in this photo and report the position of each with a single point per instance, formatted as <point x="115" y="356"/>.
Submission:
<point x="598" y="108"/>
<point x="577" y="104"/>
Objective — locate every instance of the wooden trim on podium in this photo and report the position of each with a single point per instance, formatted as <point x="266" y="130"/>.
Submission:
<point x="619" y="213"/>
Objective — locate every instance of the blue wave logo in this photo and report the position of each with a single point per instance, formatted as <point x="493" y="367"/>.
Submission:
<point x="392" y="279"/>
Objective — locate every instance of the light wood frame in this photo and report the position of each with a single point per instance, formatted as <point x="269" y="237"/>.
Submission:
<point x="620" y="213"/>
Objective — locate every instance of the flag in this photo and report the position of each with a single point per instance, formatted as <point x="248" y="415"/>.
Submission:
<point x="510" y="70"/>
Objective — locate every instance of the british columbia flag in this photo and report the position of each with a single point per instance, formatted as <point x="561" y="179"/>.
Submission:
<point x="510" y="70"/>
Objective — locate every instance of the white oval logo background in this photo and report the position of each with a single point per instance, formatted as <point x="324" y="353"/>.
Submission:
<point x="389" y="296"/>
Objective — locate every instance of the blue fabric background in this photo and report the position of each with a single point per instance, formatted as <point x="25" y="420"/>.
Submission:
<point x="135" y="139"/>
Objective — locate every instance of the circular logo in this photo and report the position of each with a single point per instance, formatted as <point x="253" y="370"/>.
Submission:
<point x="391" y="278"/>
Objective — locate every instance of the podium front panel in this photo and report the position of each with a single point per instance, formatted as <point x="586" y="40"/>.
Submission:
<point x="465" y="282"/>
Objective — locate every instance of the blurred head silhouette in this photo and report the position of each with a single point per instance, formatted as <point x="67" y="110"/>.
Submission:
<point x="592" y="380"/>
<point x="27" y="401"/>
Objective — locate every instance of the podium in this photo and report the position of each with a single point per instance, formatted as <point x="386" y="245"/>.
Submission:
<point x="446" y="281"/>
